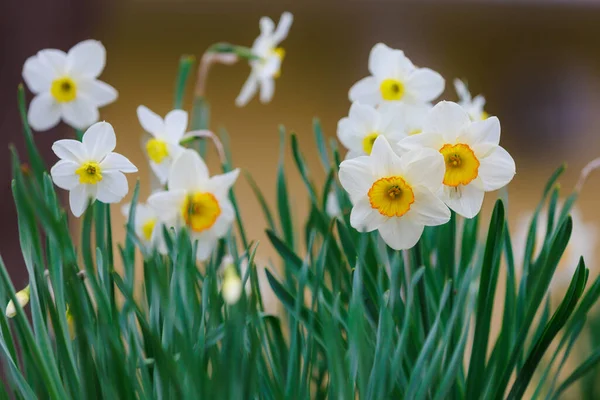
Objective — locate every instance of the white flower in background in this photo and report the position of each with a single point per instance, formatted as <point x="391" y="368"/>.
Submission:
<point x="394" y="194"/>
<point x="197" y="201"/>
<point x="163" y="148"/>
<point x="90" y="170"/>
<point x="268" y="67"/>
<point x="474" y="161"/>
<point x="395" y="78"/>
<point x="147" y="227"/>
<point x="22" y="297"/>
<point x="474" y="106"/>
<point x="66" y="87"/>
<point x="332" y="205"/>
<point x="583" y="242"/>
<point x="365" y="123"/>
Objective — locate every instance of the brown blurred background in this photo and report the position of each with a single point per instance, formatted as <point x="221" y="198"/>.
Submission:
<point x="537" y="63"/>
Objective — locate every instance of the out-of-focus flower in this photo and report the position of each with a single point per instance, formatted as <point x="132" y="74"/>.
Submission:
<point x="394" y="194"/>
<point x="365" y="123"/>
<point x="22" y="297"/>
<point x="90" y="169"/>
<point x="474" y="161"/>
<point x="267" y="67"/>
<point x="332" y="205"/>
<point x="474" y="106"/>
<point x="66" y="86"/>
<point x="163" y="148"/>
<point x="147" y="227"/>
<point x="197" y="201"/>
<point x="394" y="78"/>
<point x="231" y="287"/>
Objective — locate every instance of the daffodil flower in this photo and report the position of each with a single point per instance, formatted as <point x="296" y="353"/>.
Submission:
<point x="395" y="194"/>
<point x="90" y="169"/>
<point x="394" y="78"/>
<point x="196" y="201"/>
<point x="22" y="297"/>
<point x="147" y="226"/>
<point x="267" y="66"/>
<point x="474" y="106"/>
<point x="66" y="86"/>
<point x="164" y="146"/>
<point x="365" y="123"/>
<point x="474" y="161"/>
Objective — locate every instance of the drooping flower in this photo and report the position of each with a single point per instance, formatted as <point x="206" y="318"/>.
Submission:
<point x="66" y="86"/>
<point x="90" y="169"/>
<point x="163" y="148"/>
<point x="474" y="161"/>
<point x="147" y="227"/>
<point x="22" y="297"/>
<point x="365" y="123"/>
<point x="394" y="78"/>
<point x="196" y="201"/>
<point x="267" y="67"/>
<point x="395" y="194"/>
<point x="474" y="106"/>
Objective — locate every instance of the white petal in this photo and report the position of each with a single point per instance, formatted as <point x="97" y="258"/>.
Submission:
<point x="285" y="22"/>
<point x="385" y="162"/>
<point x="189" y="172"/>
<point x="225" y="219"/>
<point x="449" y="119"/>
<point x="221" y="184"/>
<point x="428" y="209"/>
<point x="54" y="60"/>
<point x="423" y="167"/>
<point x="97" y="92"/>
<point x="37" y="76"/>
<point x="80" y="113"/>
<point x="497" y="169"/>
<point x="385" y="62"/>
<point x="69" y="149"/>
<point x="112" y="188"/>
<point x="248" y="91"/>
<point x="365" y="218"/>
<point x="44" y="113"/>
<point x="167" y="205"/>
<point x="424" y="85"/>
<point x="462" y="91"/>
<point x="401" y="233"/>
<point x="176" y="123"/>
<point x="206" y="244"/>
<point x="464" y="200"/>
<point x="430" y="140"/>
<point x="87" y="59"/>
<point x="486" y="131"/>
<point x="117" y="162"/>
<point x="366" y="117"/>
<point x="162" y="170"/>
<point x="366" y="91"/>
<point x="79" y="198"/>
<point x="266" y="25"/>
<point x="356" y="177"/>
<point x="150" y="121"/>
<point x="349" y="134"/>
<point x="267" y="89"/>
<point x="63" y="174"/>
<point x="99" y="140"/>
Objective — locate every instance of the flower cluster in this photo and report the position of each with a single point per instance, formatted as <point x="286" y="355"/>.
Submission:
<point x="409" y="163"/>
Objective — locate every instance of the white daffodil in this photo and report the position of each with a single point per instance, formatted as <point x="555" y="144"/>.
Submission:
<point x="197" y="201"/>
<point x="66" y="86"/>
<point x="22" y="297"/>
<point x="268" y="65"/>
<point x="474" y="106"/>
<point x="90" y="170"/>
<point x="365" y="123"/>
<point x="474" y="161"/>
<point x="147" y="227"/>
<point x="394" y="78"/>
<point x="163" y="148"/>
<point x="395" y="194"/>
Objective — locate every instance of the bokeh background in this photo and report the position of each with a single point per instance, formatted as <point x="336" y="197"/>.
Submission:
<point x="536" y="62"/>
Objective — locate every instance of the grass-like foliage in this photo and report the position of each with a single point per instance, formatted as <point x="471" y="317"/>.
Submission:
<point x="360" y="320"/>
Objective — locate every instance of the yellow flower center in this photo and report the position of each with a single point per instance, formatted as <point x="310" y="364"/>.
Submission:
<point x="157" y="150"/>
<point x="391" y="196"/>
<point x="200" y="211"/>
<point x="280" y="53"/>
<point x="415" y="132"/>
<point x="462" y="165"/>
<point x="89" y="173"/>
<point x="148" y="228"/>
<point x="63" y="89"/>
<point x="391" y="89"/>
<point x="368" y="142"/>
<point x="484" y="115"/>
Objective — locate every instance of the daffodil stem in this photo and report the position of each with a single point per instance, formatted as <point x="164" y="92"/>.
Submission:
<point x="209" y="58"/>
<point x="422" y="292"/>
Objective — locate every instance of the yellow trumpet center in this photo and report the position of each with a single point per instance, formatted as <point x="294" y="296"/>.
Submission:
<point x="369" y="141"/>
<point x="157" y="150"/>
<point x="462" y="166"/>
<point x="391" y="89"/>
<point x="200" y="211"/>
<point x="148" y="228"/>
<point x="89" y="173"/>
<point x="63" y="89"/>
<point x="279" y="52"/>
<point x="391" y="196"/>
<point x="484" y="115"/>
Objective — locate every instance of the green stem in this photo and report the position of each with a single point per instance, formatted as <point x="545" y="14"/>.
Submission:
<point x="422" y="292"/>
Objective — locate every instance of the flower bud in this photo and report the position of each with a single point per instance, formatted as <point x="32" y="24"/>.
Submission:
<point x="232" y="286"/>
<point x="22" y="297"/>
